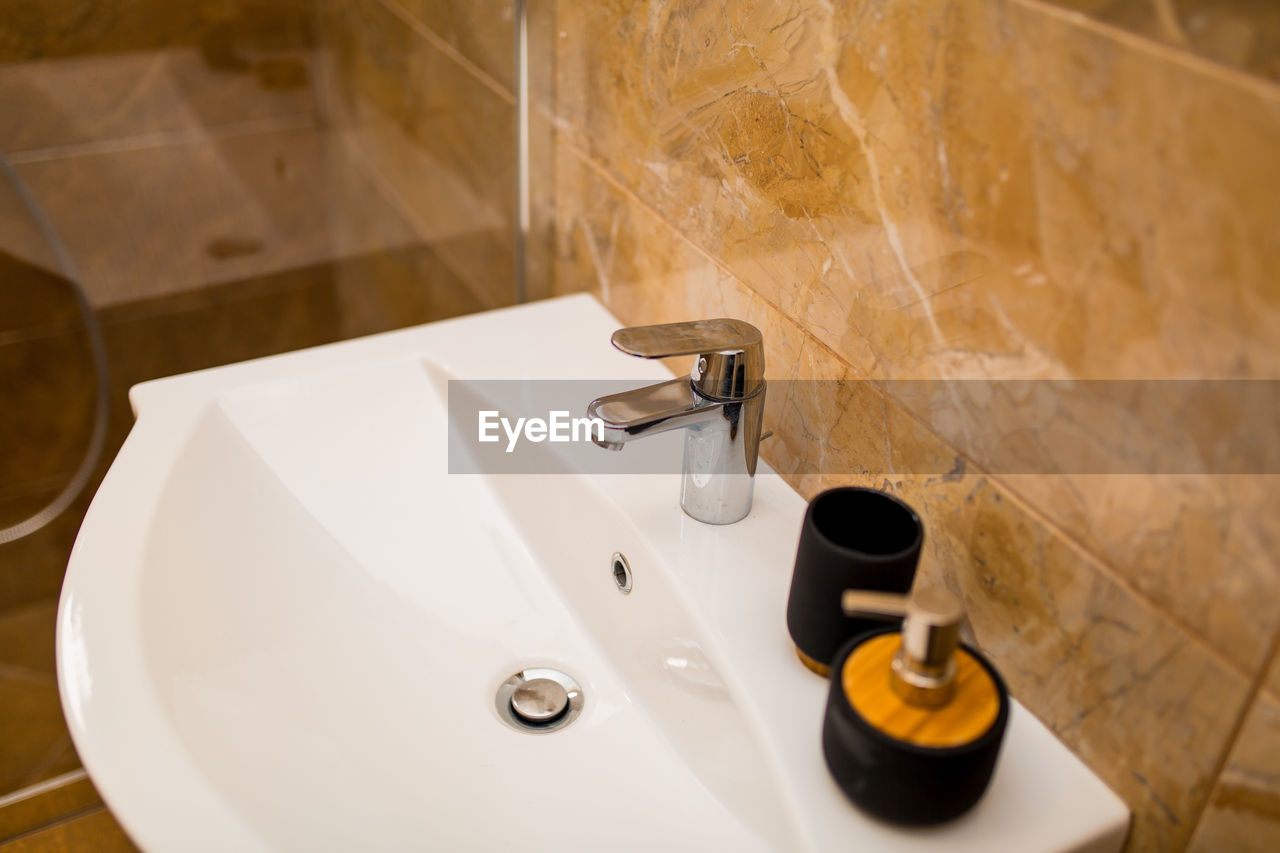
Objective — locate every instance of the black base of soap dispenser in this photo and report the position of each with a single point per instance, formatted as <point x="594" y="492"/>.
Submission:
<point x="902" y="782"/>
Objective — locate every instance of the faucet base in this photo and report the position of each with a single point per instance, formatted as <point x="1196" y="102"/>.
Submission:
<point x="720" y="463"/>
<point x="708" y="508"/>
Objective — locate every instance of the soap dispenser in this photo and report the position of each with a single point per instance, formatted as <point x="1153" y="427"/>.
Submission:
<point x="914" y="718"/>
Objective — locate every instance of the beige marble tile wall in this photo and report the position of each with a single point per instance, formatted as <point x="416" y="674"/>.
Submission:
<point x="976" y="190"/>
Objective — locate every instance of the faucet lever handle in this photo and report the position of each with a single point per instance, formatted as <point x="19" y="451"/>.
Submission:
<point x="694" y="337"/>
<point x="730" y="353"/>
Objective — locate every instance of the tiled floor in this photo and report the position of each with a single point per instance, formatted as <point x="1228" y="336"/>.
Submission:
<point x="39" y="806"/>
<point x="146" y="339"/>
<point x="76" y="821"/>
<point x="29" y="704"/>
<point x="53" y="806"/>
<point x="94" y="830"/>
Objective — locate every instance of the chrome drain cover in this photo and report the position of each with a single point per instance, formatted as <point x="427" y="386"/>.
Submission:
<point x="539" y="700"/>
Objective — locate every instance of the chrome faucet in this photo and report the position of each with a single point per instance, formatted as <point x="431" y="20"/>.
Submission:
<point x="720" y="405"/>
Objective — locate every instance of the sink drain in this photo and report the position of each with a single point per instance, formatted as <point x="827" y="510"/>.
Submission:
<point x="539" y="700"/>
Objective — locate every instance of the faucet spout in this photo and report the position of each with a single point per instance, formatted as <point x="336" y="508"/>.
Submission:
<point x="650" y="410"/>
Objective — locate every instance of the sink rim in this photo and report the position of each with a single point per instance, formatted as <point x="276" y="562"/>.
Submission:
<point x="109" y="717"/>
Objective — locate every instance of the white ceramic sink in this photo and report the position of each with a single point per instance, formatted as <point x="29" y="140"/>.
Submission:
<point x="284" y="623"/>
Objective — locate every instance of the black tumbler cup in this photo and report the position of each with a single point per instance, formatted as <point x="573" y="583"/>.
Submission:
<point x="853" y="538"/>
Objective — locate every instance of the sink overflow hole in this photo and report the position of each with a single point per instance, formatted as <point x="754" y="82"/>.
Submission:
<point x="621" y="573"/>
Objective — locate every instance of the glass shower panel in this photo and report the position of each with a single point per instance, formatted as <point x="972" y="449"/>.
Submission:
<point x="229" y="180"/>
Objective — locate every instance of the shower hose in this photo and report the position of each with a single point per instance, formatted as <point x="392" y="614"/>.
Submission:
<point x="98" y="439"/>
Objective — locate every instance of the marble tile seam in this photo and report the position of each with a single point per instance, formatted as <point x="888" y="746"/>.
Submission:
<point x="1258" y="690"/>
<point x="1155" y="49"/>
<point x="43" y="787"/>
<point x="273" y="124"/>
<point x="440" y="44"/>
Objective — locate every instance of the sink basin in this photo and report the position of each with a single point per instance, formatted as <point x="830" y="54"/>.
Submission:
<point x="284" y="623"/>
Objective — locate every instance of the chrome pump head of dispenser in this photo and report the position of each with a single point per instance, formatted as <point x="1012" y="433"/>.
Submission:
<point x="923" y="672"/>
